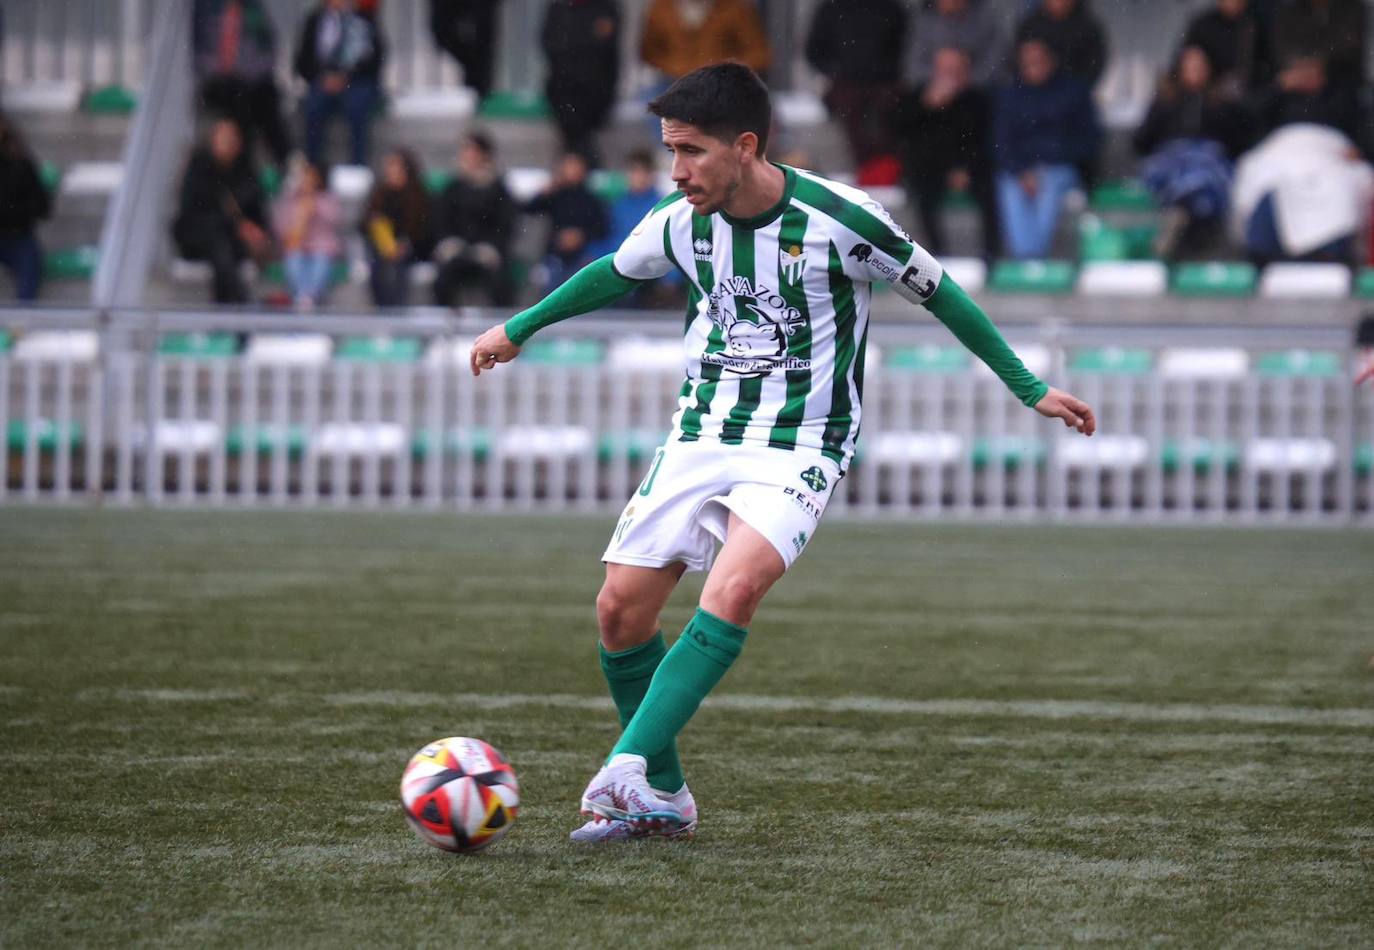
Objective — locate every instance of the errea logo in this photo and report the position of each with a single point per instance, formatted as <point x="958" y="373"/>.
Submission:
<point x="702" y="249"/>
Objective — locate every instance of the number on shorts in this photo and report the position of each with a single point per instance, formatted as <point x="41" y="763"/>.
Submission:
<point x="648" y="483"/>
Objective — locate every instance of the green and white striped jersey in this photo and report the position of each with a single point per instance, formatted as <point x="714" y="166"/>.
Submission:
<point x="777" y="319"/>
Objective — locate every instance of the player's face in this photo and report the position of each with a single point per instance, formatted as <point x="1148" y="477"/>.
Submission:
<point x="705" y="169"/>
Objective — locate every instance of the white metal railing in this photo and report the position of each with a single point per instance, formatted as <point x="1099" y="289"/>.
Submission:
<point x="170" y="409"/>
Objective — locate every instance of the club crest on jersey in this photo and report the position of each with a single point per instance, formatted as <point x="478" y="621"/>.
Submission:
<point x="755" y="325"/>
<point x="815" y="479"/>
<point x="702" y="249"/>
<point x="792" y="261"/>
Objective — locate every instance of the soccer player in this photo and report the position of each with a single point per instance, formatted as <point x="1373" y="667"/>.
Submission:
<point x="780" y="264"/>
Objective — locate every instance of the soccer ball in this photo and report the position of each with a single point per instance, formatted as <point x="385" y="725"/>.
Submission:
<point x="459" y="794"/>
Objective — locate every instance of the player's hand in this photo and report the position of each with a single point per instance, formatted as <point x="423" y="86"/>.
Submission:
<point x="1077" y="414"/>
<point x="491" y="348"/>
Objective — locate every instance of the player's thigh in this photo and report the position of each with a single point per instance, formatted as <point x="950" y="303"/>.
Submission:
<point x="745" y="570"/>
<point x="631" y="600"/>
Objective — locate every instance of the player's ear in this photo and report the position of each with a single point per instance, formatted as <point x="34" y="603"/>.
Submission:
<point x="747" y="145"/>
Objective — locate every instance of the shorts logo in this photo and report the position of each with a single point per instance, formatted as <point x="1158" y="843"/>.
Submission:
<point x="814" y="479"/>
<point x="702" y="249"/>
<point x="861" y="252"/>
<point x="807" y="503"/>
<point x="916" y="281"/>
<point x="799" y="541"/>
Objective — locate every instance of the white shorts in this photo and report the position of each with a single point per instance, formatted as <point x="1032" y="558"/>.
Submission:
<point x="682" y="507"/>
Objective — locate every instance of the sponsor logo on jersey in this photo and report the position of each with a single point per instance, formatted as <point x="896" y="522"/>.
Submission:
<point x="702" y="249"/>
<point x="861" y="252"/>
<point x="815" y="479"/>
<point x="792" y="260"/>
<point x="918" y="282"/>
<point x="756" y="324"/>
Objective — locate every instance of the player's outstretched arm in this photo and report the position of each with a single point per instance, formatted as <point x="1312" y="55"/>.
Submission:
<point x="967" y="321"/>
<point x="591" y="288"/>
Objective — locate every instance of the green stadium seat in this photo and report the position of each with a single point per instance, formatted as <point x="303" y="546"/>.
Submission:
<point x="270" y="178"/>
<point x="565" y="352"/>
<point x="199" y="345"/>
<point x="72" y="263"/>
<point x="46" y="433"/>
<point x="1364" y="459"/>
<point x="275" y="273"/>
<point x="109" y="100"/>
<point x="1009" y="451"/>
<point x="50" y="174"/>
<point x="379" y="349"/>
<point x="1318" y="363"/>
<point x="608" y="184"/>
<point x="1202" y="454"/>
<point x="1123" y="195"/>
<point x="635" y="444"/>
<point x="1099" y="241"/>
<point x="475" y="442"/>
<point x="926" y="359"/>
<point x="1033" y="277"/>
<point x="1112" y="360"/>
<point x="1214" y="279"/>
<point x="4" y="341"/>
<point x="517" y="106"/>
<point x="266" y="438"/>
<point x="437" y="179"/>
<point x="1364" y="282"/>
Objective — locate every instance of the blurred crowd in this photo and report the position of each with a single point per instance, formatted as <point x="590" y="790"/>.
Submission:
<point x="1256" y="140"/>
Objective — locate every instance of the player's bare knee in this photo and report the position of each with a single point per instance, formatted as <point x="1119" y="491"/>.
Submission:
<point x="619" y="619"/>
<point x="739" y="594"/>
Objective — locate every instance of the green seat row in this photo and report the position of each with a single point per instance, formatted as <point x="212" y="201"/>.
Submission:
<point x="71" y="263"/>
<point x="48" y="434"/>
<point x="1112" y="361"/>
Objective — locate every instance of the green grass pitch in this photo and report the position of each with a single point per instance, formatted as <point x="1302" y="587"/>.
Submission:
<point x="937" y="735"/>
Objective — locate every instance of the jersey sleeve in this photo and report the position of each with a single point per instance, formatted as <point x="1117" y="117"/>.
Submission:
<point x="885" y="253"/>
<point x="644" y="254"/>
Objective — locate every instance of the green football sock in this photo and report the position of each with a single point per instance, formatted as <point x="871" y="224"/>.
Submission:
<point x="691" y="669"/>
<point x="628" y="674"/>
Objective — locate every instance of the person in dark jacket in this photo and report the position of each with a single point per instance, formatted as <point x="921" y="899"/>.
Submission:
<point x="581" y="39"/>
<point x="1235" y="43"/>
<point x="474" y="223"/>
<point x="340" y="56"/>
<point x="396" y="227"/>
<point x="1073" y="34"/>
<point x="577" y="219"/>
<point x="1044" y="128"/>
<point x="857" y="45"/>
<point x="973" y="26"/>
<point x="1190" y="105"/>
<point x="23" y="203"/>
<point x="235" y="50"/>
<point x="222" y="215"/>
<point x="466" y="30"/>
<point x="943" y="127"/>
<point x="1333" y="31"/>
<point x="1302" y="92"/>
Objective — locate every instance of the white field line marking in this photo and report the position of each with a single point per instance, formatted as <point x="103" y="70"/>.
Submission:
<point x="1004" y="709"/>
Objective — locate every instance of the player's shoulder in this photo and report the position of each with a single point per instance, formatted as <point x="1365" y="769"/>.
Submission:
<point x="814" y="185"/>
<point x="849" y="207"/>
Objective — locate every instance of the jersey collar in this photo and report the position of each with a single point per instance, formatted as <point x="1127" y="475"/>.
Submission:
<point x="772" y="214"/>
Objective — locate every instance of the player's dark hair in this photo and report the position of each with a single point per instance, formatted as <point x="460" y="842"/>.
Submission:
<point x="483" y="143"/>
<point x="724" y="100"/>
<point x="641" y="157"/>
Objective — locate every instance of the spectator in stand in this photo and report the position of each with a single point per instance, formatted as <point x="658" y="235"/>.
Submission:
<point x="1072" y="33"/>
<point x="1188" y="140"/>
<point x="23" y="203"/>
<point x="1044" y="128"/>
<point x="577" y="219"/>
<point x="466" y="30"/>
<point x="680" y="35"/>
<point x="1302" y="194"/>
<point x="396" y="227"/>
<point x="1302" y="94"/>
<point x="474" y="223"/>
<point x="857" y="46"/>
<point x="307" y="218"/>
<point x="1333" y="31"/>
<point x="340" y="56"/>
<point x="943" y="126"/>
<point x="235" y="49"/>
<point x="581" y="39"/>
<point x="1231" y="36"/>
<point x="222" y="217"/>
<point x="970" y="25"/>
<point x="626" y="212"/>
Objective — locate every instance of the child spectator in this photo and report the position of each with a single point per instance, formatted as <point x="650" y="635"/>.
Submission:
<point x="943" y="128"/>
<point x="626" y="212"/>
<point x="23" y="203"/>
<point x="1045" y="126"/>
<point x="680" y="35"/>
<point x="340" y="57"/>
<point x="1073" y="35"/>
<point x="581" y="40"/>
<point x="306" y="218"/>
<point x="221" y="217"/>
<point x="577" y="219"/>
<point x="235" y="51"/>
<point x="474" y="221"/>
<point x="857" y="46"/>
<point x="396" y="227"/>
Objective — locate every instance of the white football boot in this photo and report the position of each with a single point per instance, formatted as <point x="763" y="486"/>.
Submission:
<point x="621" y="792"/>
<point x="598" y="830"/>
